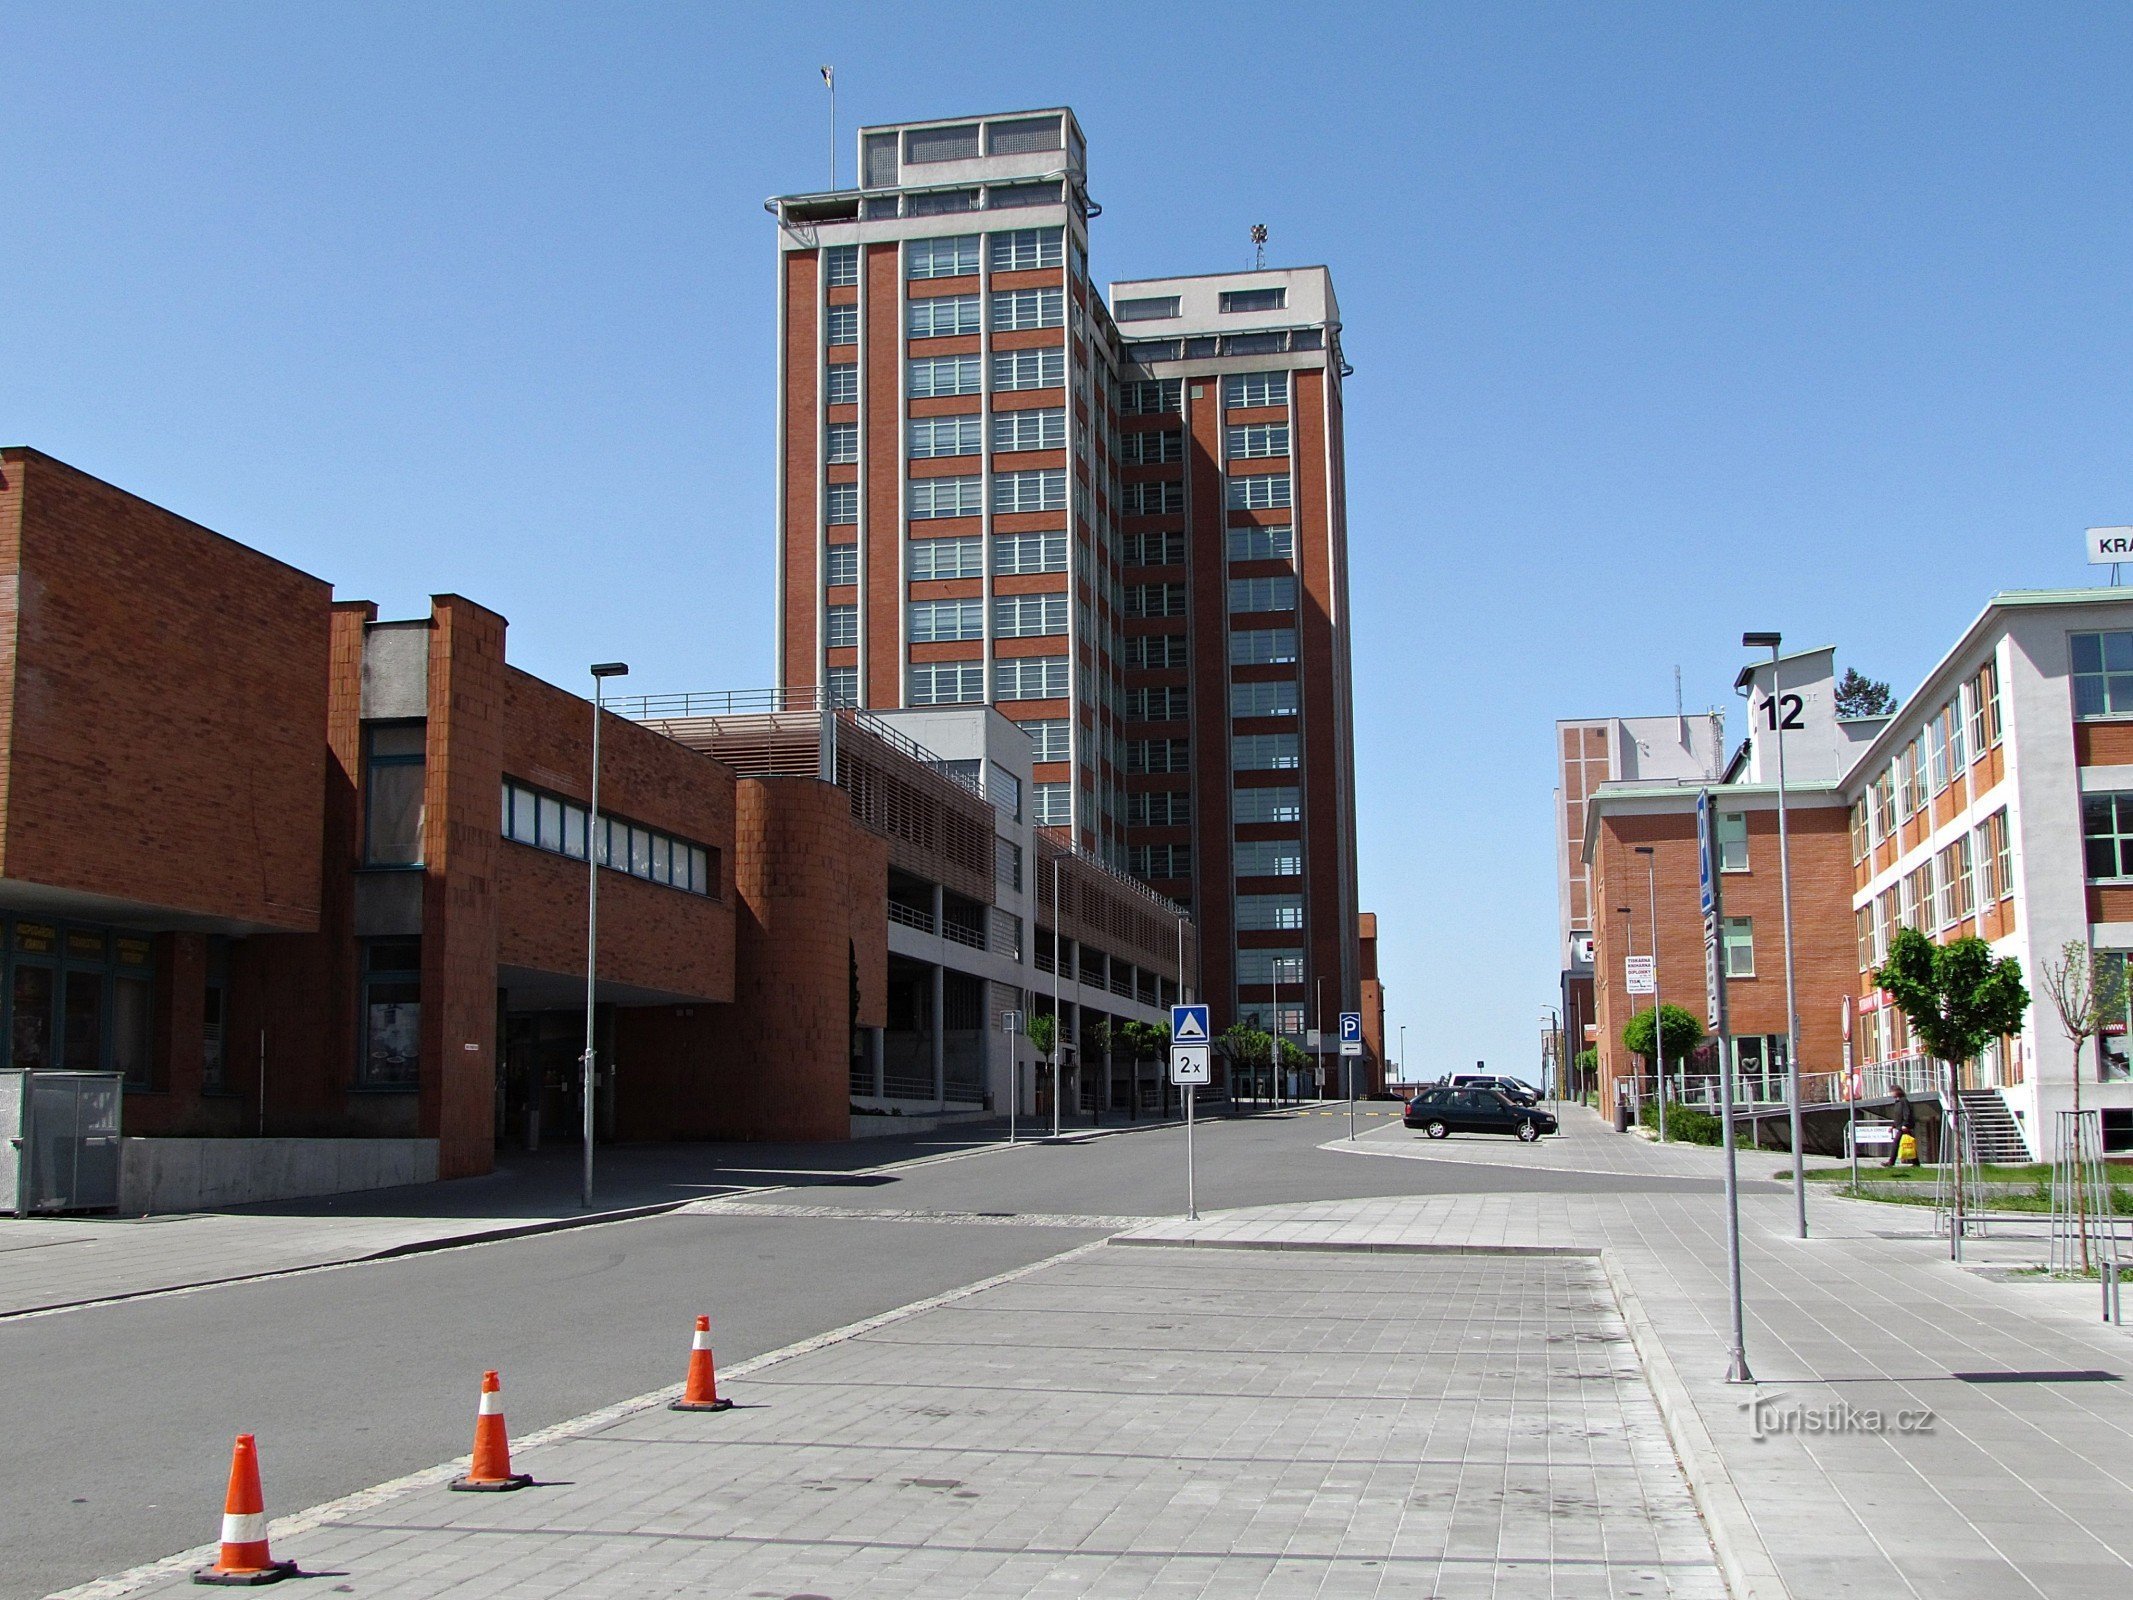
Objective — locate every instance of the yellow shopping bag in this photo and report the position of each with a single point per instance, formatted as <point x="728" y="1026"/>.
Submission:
<point x="1907" y="1148"/>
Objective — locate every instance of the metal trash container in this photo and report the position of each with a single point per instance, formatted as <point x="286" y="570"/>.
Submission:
<point x="1621" y="1112"/>
<point x="61" y="1141"/>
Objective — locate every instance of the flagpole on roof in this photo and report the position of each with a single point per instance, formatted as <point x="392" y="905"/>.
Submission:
<point x="829" y="82"/>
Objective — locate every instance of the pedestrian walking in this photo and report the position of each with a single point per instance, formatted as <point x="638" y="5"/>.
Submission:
<point x="1903" y="1124"/>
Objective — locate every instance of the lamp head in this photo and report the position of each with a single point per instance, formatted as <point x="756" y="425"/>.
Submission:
<point x="1645" y="850"/>
<point x="1760" y="641"/>
<point x="610" y="669"/>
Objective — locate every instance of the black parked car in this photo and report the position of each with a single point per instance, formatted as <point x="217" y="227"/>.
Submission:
<point x="1444" y="1110"/>
<point x="1524" y="1093"/>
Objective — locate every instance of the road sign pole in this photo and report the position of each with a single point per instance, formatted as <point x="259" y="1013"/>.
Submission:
<point x="1192" y="1203"/>
<point x="1348" y="1065"/>
<point x="1715" y="986"/>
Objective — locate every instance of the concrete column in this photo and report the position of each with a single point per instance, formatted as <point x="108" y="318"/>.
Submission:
<point x="875" y="1058"/>
<point x="940" y="1028"/>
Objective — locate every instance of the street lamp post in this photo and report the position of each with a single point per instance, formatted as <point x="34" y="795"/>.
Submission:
<point x="601" y="672"/>
<point x="1773" y="707"/>
<point x="1629" y="948"/>
<point x="1651" y="877"/>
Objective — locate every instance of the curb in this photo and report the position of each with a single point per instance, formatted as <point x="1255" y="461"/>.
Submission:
<point x="1743" y="1559"/>
<point x="1360" y="1247"/>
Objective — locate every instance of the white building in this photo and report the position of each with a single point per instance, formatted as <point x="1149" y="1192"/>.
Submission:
<point x="1998" y="801"/>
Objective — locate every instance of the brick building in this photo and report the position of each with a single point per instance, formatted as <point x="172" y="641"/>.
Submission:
<point x="297" y="873"/>
<point x="1134" y="545"/>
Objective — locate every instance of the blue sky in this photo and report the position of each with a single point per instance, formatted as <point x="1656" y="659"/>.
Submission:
<point x="1667" y="320"/>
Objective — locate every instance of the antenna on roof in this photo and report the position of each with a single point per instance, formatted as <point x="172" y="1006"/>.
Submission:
<point x="1677" y="693"/>
<point x="1258" y="245"/>
<point x="829" y="82"/>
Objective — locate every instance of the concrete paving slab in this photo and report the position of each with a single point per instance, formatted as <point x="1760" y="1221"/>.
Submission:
<point x="1117" y="1422"/>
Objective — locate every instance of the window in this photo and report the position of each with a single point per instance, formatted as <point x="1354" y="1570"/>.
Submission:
<point x="1263" y="491"/>
<point x="1905" y="767"/>
<point x="1145" y="308"/>
<point x="1155" y="599"/>
<point x="1732" y="841"/>
<point x="1028" y="308"/>
<point x="1936" y="735"/>
<point x="946" y="436"/>
<point x="1014" y="553"/>
<point x="1155" y="549"/>
<point x="1243" y="389"/>
<point x="1259" y="647"/>
<point x="1029" y="369"/>
<point x="1030" y="430"/>
<point x="2103" y="674"/>
<point x="1259" y="913"/>
<point x="1995" y="867"/>
<point x="1262" y="544"/>
<point x="1954" y="881"/>
<point x="841" y="564"/>
<point x="957" y="143"/>
<point x="392" y="793"/>
<point x="840" y="266"/>
<point x="549" y="822"/>
<point x="1881" y="814"/>
<point x="843" y="384"/>
<point x="1279" y="804"/>
<point x="933" y="621"/>
<point x="843" y="630"/>
<point x="1159" y="808"/>
<point x="1262" y="594"/>
<point x="1048" y="739"/>
<point x="1148" y="351"/>
<point x="940" y="202"/>
<point x="1052" y="804"/>
<point x="942" y="316"/>
<point x="1952" y="717"/>
<point x="1150" y="397"/>
<point x="934" y="376"/>
<point x="1270" y="858"/>
<point x="843" y="324"/>
<point x="2107" y="834"/>
<point x="1256" y="752"/>
<point x="1010" y="196"/>
<point x="841" y="444"/>
<point x="1030" y="678"/>
<point x="841" y="686"/>
<point x="840" y="503"/>
<point x="1152" y="448"/>
<point x="1026" y="248"/>
<point x="1157" y="705"/>
<point x="391" y="1054"/>
<point x="1984" y="709"/>
<point x="1041" y="490"/>
<point x="1025" y="616"/>
<point x="1158" y="755"/>
<point x="941" y="258"/>
<point x="1739" y="941"/>
<point x="1256" y="439"/>
<point x="1263" y="699"/>
<point x="1154" y="499"/>
<point x="1236" y="300"/>
<point x="1255" y="344"/>
<point x="1863" y="920"/>
<point x="947" y="683"/>
<point x="1156" y="650"/>
<point x="946" y="497"/>
<point x="1859" y="839"/>
<point x="947" y="558"/>
<point x="1270" y="966"/>
<point x="1159" y="860"/>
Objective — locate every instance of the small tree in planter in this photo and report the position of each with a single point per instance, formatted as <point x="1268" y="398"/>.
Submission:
<point x="1096" y="1040"/>
<point x="1041" y="1028"/>
<point x="1143" y="1041"/>
<point x="2088" y="991"/>
<point x="1248" y="1048"/>
<point x="1957" y="997"/>
<point x="1678" y="1032"/>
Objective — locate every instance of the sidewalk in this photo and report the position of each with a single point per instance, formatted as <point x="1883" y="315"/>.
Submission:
<point x="2019" y="1484"/>
<point x="52" y="1263"/>
<point x="1197" y="1423"/>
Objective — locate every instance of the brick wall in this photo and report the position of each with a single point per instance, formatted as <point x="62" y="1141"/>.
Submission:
<point x="1825" y="944"/>
<point x="167" y="696"/>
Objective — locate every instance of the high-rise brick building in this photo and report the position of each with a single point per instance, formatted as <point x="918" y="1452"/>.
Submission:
<point x="1124" y="525"/>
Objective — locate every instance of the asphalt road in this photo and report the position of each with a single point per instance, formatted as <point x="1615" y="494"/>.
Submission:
<point x="116" y="1420"/>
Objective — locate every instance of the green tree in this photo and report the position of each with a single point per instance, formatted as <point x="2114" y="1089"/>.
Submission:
<point x="1144" y="1041"/>
<point x="1958" y="997"/>
<point x="1680" y="1031"/>
<point x="1042" y="1030"/>
<point x="1248" y="1050"/>
<point x="1861" y="696"/>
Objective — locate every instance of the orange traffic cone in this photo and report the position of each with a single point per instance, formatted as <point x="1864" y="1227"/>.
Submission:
<point x="491" y="1467"/>
<point x="244" y="1557"/>
<point x="702" y="1391"/>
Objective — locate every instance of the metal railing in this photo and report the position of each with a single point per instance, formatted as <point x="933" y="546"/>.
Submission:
<point x="962" y="934"/>
<point x="911" y="916"/>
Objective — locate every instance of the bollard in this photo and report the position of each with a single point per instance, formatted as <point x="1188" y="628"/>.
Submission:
<point x="2112" y="1309"/>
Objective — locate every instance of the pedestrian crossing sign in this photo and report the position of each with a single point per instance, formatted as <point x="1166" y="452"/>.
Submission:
<point x="1188" y="1024"/>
